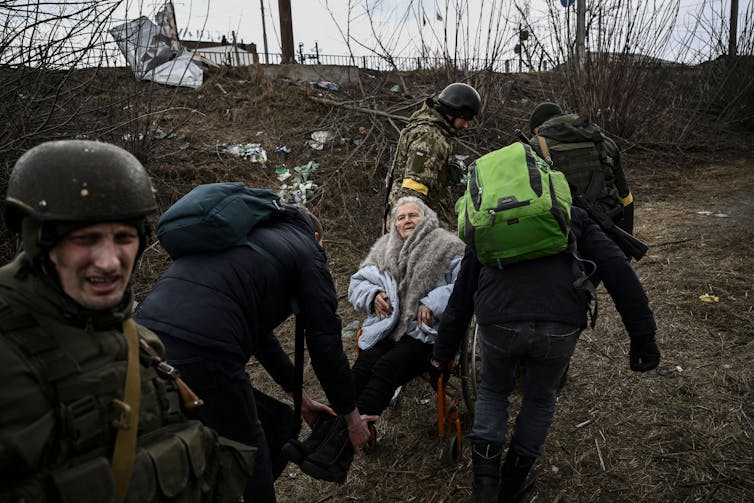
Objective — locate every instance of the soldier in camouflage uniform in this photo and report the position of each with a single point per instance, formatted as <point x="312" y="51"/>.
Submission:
<point x="90" y="412"/>
<point x="421" y="167"/>
<point x="581" y="151"/>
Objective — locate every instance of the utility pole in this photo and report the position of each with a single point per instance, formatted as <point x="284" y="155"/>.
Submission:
<point x="264" y="35"/>
<point x="580" y="32"/>
<point x="733" y="29"/>
<point x="286" y="31"/>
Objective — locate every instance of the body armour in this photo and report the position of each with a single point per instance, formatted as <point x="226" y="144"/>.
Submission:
<point x="63" y="373"/>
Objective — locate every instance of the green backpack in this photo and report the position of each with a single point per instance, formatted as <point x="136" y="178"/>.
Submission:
<point x="515" y="207"/>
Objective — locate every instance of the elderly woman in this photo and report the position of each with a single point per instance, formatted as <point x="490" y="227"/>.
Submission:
<point x="403" y="286"/>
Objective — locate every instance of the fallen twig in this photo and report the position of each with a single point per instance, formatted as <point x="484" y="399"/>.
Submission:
<point x="349" y="106"/>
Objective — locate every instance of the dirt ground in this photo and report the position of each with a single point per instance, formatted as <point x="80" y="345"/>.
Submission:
<point x="681" y="435"/>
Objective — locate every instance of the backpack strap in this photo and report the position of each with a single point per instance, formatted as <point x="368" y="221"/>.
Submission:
<point x="545" y="149"/>
<point x="128" y="423"/>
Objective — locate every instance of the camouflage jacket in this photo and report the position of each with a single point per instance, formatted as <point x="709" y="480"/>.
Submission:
<point x="421" y="161"/>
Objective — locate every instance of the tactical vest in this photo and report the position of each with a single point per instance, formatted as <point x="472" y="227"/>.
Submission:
<point x="576" y="147"/>
<point x="81" y="374"/>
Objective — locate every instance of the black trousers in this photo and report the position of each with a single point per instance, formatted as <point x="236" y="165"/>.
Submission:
<point x="381" y="369"/>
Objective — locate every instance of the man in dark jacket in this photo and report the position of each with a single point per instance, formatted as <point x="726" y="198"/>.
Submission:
<point x="214" y="311"/>
<point x="531" y="314"/>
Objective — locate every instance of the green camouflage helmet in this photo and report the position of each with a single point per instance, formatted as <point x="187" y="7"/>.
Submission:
<point x="61" y="184"/>
<point x="462" y="100"/>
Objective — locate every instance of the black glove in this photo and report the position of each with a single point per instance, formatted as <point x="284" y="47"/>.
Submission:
<point x="644" y="355"/>
<point x="437" y="369"/>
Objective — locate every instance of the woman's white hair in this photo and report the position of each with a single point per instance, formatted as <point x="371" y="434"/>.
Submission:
<point x="410" y="199"/>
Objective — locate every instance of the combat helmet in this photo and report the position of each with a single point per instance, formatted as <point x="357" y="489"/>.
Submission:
<point x="460" y="100"/>
<point x="58" y="186"/>
<point x="543" y="112"/>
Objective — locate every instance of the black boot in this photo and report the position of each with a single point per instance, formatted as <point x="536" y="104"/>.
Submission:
<point x="516" y="477"/>
<point x="485" y="459"/>
<point x="296" y="450"/>
<point x="332" y="459"/>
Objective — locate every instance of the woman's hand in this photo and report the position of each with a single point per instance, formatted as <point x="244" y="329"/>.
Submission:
<point x="424" y="316"/>
<point x="382" y="307"/>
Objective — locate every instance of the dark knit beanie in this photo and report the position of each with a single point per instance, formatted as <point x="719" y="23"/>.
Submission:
<point x="542" y="113"/>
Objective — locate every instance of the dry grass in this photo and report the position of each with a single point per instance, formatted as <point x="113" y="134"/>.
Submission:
<point x="617" y="435"/>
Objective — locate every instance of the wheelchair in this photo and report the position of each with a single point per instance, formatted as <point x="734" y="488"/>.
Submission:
<point x="465" y="375"/>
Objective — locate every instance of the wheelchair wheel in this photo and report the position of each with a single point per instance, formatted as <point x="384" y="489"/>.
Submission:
<point x="471" y="368"/>
<point x="451" y="451"/>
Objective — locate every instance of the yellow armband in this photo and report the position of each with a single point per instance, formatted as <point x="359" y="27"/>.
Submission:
<point x="414" y="185"/>
<point x="628" y="199"/>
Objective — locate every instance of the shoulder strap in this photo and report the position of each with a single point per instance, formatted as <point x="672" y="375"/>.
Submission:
<point x="544" y="147"/>
<point x="128" y="423"/>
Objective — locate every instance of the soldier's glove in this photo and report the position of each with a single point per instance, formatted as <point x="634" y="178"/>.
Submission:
<point x="643" y="355"/>
<point x="436" y="370"/>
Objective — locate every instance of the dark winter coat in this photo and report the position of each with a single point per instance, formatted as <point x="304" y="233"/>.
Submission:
<point x="543" y="290"/>
<point x="227" y="304"/>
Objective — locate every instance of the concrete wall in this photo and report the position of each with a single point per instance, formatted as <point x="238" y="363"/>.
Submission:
<point x="313" y="73"/>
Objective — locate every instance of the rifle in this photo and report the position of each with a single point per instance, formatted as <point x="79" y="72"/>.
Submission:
<point x="631" y="245"/>
<point x="388" y="188"/>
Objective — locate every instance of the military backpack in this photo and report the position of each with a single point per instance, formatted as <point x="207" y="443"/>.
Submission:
<point x="578" y="148"/>
<point x="515" y="207"/>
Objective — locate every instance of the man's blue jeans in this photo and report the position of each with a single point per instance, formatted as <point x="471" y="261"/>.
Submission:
<point x="543" y="349"/>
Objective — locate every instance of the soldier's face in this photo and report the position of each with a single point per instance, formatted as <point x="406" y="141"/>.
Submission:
<point x="94" y="263"/>
<point x="460" y="123"/>
<point x="407" y="217"/>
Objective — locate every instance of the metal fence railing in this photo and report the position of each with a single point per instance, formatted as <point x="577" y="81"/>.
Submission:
<point x="242" y="58"/>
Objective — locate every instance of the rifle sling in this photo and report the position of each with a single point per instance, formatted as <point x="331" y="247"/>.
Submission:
<point x="125" y="440"/>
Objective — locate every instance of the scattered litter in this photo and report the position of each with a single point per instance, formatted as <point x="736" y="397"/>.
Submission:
<point x="251" y="151"/>
<point x="283" y="150"/>
<point x="709" y="298"/>
<point x="281" y="172"/>
<point x="306" y="169"/>
<point x="259" y="133"/>
<point x="554" y="469"/>
<point x="159" y="134"/>
<point x="300" y="189"/>
<point x="319" y="139"/>
<point x="293" y="475"/>
<point x="326" y="84"/>
<point x="395" y="88"/>
<point x="678" y="368"/>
